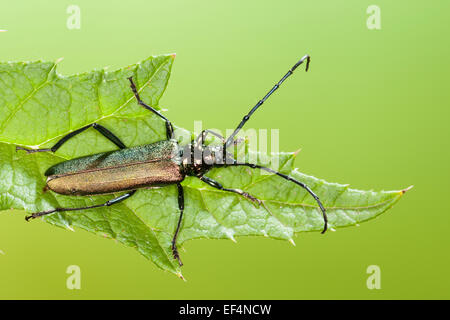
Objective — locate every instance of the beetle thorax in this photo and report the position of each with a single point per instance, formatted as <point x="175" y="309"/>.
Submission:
<point x="197" y="160"/>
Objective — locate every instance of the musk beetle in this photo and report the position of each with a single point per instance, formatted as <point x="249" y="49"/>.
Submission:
<point x="153" y="165"/>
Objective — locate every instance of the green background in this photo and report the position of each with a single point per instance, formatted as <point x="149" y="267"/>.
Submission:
<point x="373" y="112"/>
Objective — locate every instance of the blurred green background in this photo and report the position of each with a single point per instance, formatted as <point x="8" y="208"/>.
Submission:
<point x="372" y="112"/>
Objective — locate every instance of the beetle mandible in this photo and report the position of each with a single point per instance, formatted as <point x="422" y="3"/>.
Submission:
<point x="153" y="165"/>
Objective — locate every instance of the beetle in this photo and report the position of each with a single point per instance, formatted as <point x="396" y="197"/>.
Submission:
<point x="153" y="165"/>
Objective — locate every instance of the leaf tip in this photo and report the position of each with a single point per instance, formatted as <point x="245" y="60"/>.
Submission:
<point x="59" y="60"/>
<point x="173" y="55"/>
<point x="407" y="189"/>
<point x="229" y="234"/>
<point x="179" y="275"/>
<point x="297" y="152"/>
<point x="292" y="242"/>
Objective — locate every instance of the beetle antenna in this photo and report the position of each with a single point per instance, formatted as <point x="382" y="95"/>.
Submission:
<point x="260" y="102"/>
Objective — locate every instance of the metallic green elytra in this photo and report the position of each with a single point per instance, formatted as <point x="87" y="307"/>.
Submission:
<point x="152" y="165"/>
<point x="165" y="149"/>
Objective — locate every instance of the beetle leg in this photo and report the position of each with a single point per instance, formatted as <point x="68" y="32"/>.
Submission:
<point x="217" y="185"/>
<point x="202" y="146"/>
<point x="105" y="132"/>
<point x="169" y="127"/>
<point x="289" y="178"/>
<point x="174" y="239"/>
<point x="106" y="204"/>
<point x="205" y="133"/>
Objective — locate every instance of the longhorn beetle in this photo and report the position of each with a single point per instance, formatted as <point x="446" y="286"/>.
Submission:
<point x="153" y="165"/>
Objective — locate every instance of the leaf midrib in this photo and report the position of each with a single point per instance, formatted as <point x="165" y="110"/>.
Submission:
<point x="378" y="204"/>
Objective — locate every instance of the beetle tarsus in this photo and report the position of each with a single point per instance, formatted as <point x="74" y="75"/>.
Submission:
<point x="40" y="214"/>
<point x="219" y="186"/>
<point x="33" y="216"/>
<point x="251" y="198"/>
<point x="176" y="255"/>
<point x="32" y="150"/>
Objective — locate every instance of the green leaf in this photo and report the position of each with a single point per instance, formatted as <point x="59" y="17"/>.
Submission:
<point x="39" y="106"/>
